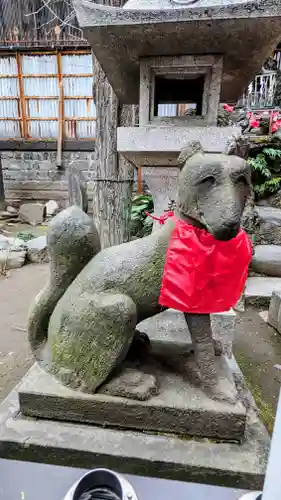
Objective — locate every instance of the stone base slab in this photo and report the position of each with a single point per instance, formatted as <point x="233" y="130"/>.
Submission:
<point x="259" y="290"/>
<point x="180" y="407"/>
<point x="61" y="443"/>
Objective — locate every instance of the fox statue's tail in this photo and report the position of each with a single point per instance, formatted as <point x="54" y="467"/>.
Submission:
<point x="72" y="242"/>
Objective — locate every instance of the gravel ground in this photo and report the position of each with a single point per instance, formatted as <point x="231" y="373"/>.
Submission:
<point x="17" y="291"/>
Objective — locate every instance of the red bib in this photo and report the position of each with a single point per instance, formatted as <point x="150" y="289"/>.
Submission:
<point x="201" y="274"/>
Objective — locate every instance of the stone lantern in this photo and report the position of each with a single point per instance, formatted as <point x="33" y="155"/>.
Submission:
<point x="178" y="55"/>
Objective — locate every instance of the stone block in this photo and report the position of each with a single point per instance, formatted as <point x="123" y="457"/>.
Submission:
<point x="37" y="250"/>
<point x="12" y="253"/>
<point x="274" y="311"/>
<point x="267" y="260"/>
<point x="180" y="407"/>
<point x="169" y="330"/>
<point x="259" y="290"/>
<point x="72" y="444"/>
<point x="32" y="213"/>
<point x="12" y="259"/>
<point x="223" y="329"/>
<point x="153" y="146"/>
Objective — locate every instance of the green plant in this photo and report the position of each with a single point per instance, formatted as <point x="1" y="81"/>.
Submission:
<point x="140" y="223"/>
<point x="266" y="172"/>
<point x="25" y="236"/>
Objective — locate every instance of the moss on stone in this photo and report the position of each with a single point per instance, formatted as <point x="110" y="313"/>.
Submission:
<point x="252" y="371"/>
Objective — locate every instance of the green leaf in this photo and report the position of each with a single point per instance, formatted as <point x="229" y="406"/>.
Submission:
<point x="272" y="153"/>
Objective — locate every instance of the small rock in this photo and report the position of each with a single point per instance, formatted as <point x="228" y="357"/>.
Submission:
<point x="11" y="210"/>
<point x="32" y="213"/>
<point x="12" y="252"/>
<point x="37" y="251"/>
<point x="52" y="208"/>
<point x="11" y="243"/>
<point x="7" y="215"/>
<point x="12" y="259"/>
<point x="274" y="309"/>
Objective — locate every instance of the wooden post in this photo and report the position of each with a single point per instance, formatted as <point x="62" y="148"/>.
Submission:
<point x="24" y="128"/>
<point x="2" y="189"/>
<point x="60" y="134"/>
<point x="140" y="180"/>
<point x="113" y="176"/>
<point x="61" y="112"/>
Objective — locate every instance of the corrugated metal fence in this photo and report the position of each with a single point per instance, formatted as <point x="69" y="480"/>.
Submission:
<point x="29" y="95"/>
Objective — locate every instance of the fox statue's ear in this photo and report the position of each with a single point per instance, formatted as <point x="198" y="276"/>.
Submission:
<point x="188" y="151"/>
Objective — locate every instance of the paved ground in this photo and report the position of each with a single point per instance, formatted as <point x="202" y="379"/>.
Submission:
<point x="257" y="349"/>
<point x="17" y="292"/>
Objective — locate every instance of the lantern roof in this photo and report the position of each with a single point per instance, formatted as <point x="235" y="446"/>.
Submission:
<point x="243" y="32"/>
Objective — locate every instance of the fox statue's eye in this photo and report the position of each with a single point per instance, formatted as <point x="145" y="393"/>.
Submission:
<point x="242" y="179"/>
<point x="208" y="181"/>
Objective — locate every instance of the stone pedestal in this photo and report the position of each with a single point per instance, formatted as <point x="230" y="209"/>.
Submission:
<point x="43" y="421"/>
<point x="179" y="408"/>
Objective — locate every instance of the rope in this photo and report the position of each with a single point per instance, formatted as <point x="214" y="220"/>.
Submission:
<point x="162" y="219"/>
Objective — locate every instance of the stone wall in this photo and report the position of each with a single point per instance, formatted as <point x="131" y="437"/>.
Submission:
<point x="33" y="175"/>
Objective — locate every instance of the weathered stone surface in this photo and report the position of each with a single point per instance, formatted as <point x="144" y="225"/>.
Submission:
<point x="124" y="35"/>
<point x="179" y="407"/>
<point x="152" y="146"/>
<point x="225" y="464"/>
<point x="259" y="290"/>
<point x="162" y="184"/>
<point x="132" y="384"/>
<point x="223" y="329"/>
<point x="12" y="252"/>
<point x="269" y="230"/>
<point x="66" y="261"/>
<point x="251" y="220"/>
<point x="274" y="309"/>
<point x="37" y="250"/>
<point x="32" y="213"/>
<point x="169" y="330"/>
<point x="11" y="259"/>
<point x="267" y="260"/>
<point x="77" y="187"/>
<point x="98" y="311"/>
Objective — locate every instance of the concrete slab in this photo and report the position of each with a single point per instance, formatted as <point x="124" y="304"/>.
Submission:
<point x="259" y="290"/>
<point x="166" y="456"/>
<point x="178" y="408"/>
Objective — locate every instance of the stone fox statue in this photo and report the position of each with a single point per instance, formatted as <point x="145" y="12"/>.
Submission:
<point x="84" y="321"/>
